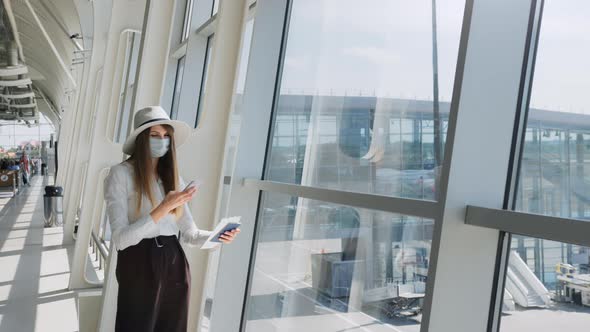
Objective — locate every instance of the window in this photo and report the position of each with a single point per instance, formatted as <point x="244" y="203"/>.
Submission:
<point x="188" y="14"/>
<point x="338" y="267"/>
<point x="546" y="287"/>
<point x="202" y="91"/>
<point x="360" y="107"/>
<point x="194" y="55"/>
<point x="177" y="88"/>
<point x="125" y="118"/>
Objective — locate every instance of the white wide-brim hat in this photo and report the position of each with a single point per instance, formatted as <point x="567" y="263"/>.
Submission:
<point x="153" y="116"/>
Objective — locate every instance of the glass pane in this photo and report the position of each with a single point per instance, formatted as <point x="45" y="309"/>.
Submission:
<point x="203" y="91"/>
<point x="547" y="283"/>
<point x="360" y="106"/>
<point x="177" y="88"/>
<point x="188" y="14"/>
<point x="326" y="267"/>
<point x="127" y="86"/>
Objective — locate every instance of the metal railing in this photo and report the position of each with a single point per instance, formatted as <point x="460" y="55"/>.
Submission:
<point x="99" y="250"/>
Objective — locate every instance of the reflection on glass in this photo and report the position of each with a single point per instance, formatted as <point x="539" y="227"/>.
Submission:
<point x="177" y="88"/>
<point x="556" y="157"/>
<point x="202" y="91"/>
<point x="356" y="109"/>
<point x="326" y="267"/>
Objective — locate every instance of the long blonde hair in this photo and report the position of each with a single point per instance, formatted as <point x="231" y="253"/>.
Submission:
<point x="141" y="160"/>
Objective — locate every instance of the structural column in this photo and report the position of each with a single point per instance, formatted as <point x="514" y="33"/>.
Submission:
<point x="476" y="166"/>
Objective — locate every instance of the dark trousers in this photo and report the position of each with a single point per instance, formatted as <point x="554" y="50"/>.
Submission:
<point x="154" y="287"/>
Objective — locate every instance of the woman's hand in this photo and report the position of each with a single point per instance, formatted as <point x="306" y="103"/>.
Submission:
<point x="175" y="199"/>
<point x="229" y="236"/>
<point x="172" y="200"/>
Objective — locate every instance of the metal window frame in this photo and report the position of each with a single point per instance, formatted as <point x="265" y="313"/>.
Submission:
<point x="568" y="230"/>
<point x="405" y="206"/>
<point x="517" y="148"/>
<point x="180" y="51"/>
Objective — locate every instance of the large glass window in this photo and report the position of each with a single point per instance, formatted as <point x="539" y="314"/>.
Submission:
<point x="362" y="105"/>
<point x="202" y="91"/>
<point x="125" y="114"/>
<point x="546" y="274"/>
<point x="177" y="88"/>
<point x="364" y="95"/>
<point x="188" y="14"/>
<point x="325" y="267"/>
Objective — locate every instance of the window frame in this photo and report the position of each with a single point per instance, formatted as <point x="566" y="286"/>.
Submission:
<point x="194" y="48"/>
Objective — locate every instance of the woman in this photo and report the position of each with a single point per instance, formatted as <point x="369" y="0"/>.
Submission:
<point x="147" y="207"/>
<point x="24" y="161"/>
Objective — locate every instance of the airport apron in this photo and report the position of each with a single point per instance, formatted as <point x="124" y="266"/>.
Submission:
<point x="154" y="286"/>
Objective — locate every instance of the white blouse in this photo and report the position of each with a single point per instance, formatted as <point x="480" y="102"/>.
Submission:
<point x="127" y="227"/>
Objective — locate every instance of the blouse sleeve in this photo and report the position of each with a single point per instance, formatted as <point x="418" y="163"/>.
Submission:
<point x="190" y="233"/>
<point x="123" y="233"/>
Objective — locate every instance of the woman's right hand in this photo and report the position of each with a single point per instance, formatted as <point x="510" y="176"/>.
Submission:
<point x="172" y="200"/>
<point x="175" y="199"/>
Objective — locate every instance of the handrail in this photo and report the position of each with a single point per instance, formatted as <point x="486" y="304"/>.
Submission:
<point x="100" y="245"/>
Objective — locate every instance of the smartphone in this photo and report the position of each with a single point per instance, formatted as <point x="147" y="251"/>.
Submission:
<point x="193" y="183"/>
<point x="228" y="228"/>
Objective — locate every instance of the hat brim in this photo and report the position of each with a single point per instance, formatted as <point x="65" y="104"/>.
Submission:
<point x="182" y="132"/>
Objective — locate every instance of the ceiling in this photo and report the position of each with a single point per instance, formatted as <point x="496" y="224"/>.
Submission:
<point x="49" y="44"/>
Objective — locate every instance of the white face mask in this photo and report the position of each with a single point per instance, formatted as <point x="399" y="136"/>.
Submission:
<point x="159" y="146"/>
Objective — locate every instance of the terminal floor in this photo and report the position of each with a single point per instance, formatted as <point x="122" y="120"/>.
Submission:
<point x="34" y="267"/>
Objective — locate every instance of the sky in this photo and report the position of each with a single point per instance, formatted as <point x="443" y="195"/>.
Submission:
<point x="371" y="47"/>
<point x="384" y="48"/>
<point x="562" y="70"/>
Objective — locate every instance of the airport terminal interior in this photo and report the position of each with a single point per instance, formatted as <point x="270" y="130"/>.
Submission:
<point x="397" y="166"/>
